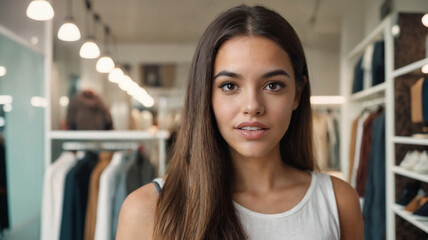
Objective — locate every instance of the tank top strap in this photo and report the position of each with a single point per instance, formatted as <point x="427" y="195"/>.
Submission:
<point x="158" y="184"/>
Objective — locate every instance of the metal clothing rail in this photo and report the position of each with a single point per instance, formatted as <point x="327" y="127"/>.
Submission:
<point x="112" y="146"/>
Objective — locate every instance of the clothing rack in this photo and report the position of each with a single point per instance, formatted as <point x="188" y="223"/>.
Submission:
<point x="111" y="146"/>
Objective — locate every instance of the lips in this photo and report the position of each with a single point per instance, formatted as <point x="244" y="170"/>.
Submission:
<point x="251" y="130"/>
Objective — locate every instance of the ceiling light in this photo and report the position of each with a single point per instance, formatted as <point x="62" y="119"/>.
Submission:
<point x="105" y="64"/>
<point x="395" y="30"/>
<point x="89" y="49"/>
<point x="425" y="69"/>
<point x="40" y="10"/>
<point x="115" y="75"/>
<point x="68" y="31"/>
<point x="3" y="71"/>
<point x="425" y="20"/>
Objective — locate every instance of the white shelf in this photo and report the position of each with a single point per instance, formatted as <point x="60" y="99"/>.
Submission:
<point x="372" y="37"/>
<point x="410" y="68"/>
<point x="403" y="172"/>
<point x="410" y="140"/>
<point x="368" y="93"/>
<point x="108" y="135"/>
<point x="423" y="225"/>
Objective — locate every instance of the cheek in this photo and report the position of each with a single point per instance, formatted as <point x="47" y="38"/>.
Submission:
<point x="224" y="112"/>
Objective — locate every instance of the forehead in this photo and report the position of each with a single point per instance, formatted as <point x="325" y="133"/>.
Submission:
<point x="252" y="52"/>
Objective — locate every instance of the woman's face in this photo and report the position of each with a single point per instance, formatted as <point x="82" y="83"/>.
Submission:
<point x="253" y="95"/>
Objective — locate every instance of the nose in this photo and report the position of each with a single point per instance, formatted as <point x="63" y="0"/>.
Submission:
<point x="253" y="104"/>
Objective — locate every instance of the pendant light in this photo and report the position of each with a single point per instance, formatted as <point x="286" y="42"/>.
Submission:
<point x="105" y="64"/>
<point x="89" y="49"/>
<point x="424" y="20"/>
<point x="68" y="31"/>
<point x="40" y="10"/>
<point x="115" y="75"/>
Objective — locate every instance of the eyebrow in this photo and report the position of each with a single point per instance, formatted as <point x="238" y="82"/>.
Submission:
<point x="266" y="75"/>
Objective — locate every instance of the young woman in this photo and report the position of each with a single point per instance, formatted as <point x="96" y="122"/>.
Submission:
<point x="243" y="164"/>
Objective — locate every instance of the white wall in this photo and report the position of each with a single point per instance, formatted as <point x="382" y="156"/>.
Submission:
<point x="323" y="71"/>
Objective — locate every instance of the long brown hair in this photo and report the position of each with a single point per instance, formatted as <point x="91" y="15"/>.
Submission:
<point x="196" y="200"/>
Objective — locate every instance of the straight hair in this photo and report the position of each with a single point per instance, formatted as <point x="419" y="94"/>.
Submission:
<point x="196" y="200"/>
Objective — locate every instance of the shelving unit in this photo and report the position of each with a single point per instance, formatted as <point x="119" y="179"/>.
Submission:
<point x="385" y="92"/>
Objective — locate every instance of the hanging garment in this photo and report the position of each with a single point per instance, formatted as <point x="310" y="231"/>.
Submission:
<point x="416" y="101"/>
<point x="53" y="193"/>
<point x="76" y="198"/>
<point x="87" y="111"/>
<point x="108" y="185"/>
<point x="104" y="159"/>
<point x="358" y="76"/>
<point x="374" y="210"/>
<point x="121" y="193"/>
<point x="358" y="141"/>
<point x="141" y="173"/>
<point x="378" y="63"/>
<point x="365" y="153"/>
<point x="367" y="66"/>
<point x="333" y="141"/>
<point x="320" y="138"/>
<point x="352" y="147"/>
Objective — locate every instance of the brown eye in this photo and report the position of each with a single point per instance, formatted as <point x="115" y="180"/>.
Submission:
<point x="274" y="86"/>
<point x="229" y="87"/>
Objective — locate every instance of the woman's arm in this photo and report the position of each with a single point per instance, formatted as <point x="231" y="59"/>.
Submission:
<point x="136" y="219"/>
<point x="350" y="215"/>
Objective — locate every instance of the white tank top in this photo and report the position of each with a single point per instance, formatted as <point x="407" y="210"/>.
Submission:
<point x="314" y="217"/>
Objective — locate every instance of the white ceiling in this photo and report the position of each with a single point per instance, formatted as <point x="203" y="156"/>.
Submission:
<point x="168" y="21"/>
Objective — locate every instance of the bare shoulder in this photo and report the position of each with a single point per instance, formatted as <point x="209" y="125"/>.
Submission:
<point x="136" y="219"/>
<point x="350" y="215"/>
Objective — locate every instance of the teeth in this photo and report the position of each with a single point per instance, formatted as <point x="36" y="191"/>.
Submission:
<point x="252" y="128"/>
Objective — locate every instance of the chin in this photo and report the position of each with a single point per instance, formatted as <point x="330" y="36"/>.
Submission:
<point x="252" y="153"/>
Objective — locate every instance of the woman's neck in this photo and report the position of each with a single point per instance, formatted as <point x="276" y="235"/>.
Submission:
<point x="258" y="175"/>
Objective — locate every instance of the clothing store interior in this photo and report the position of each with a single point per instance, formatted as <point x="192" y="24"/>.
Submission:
<point x="91" y="94"/>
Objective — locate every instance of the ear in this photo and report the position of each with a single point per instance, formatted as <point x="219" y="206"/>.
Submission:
<point x="299" y="90"/>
